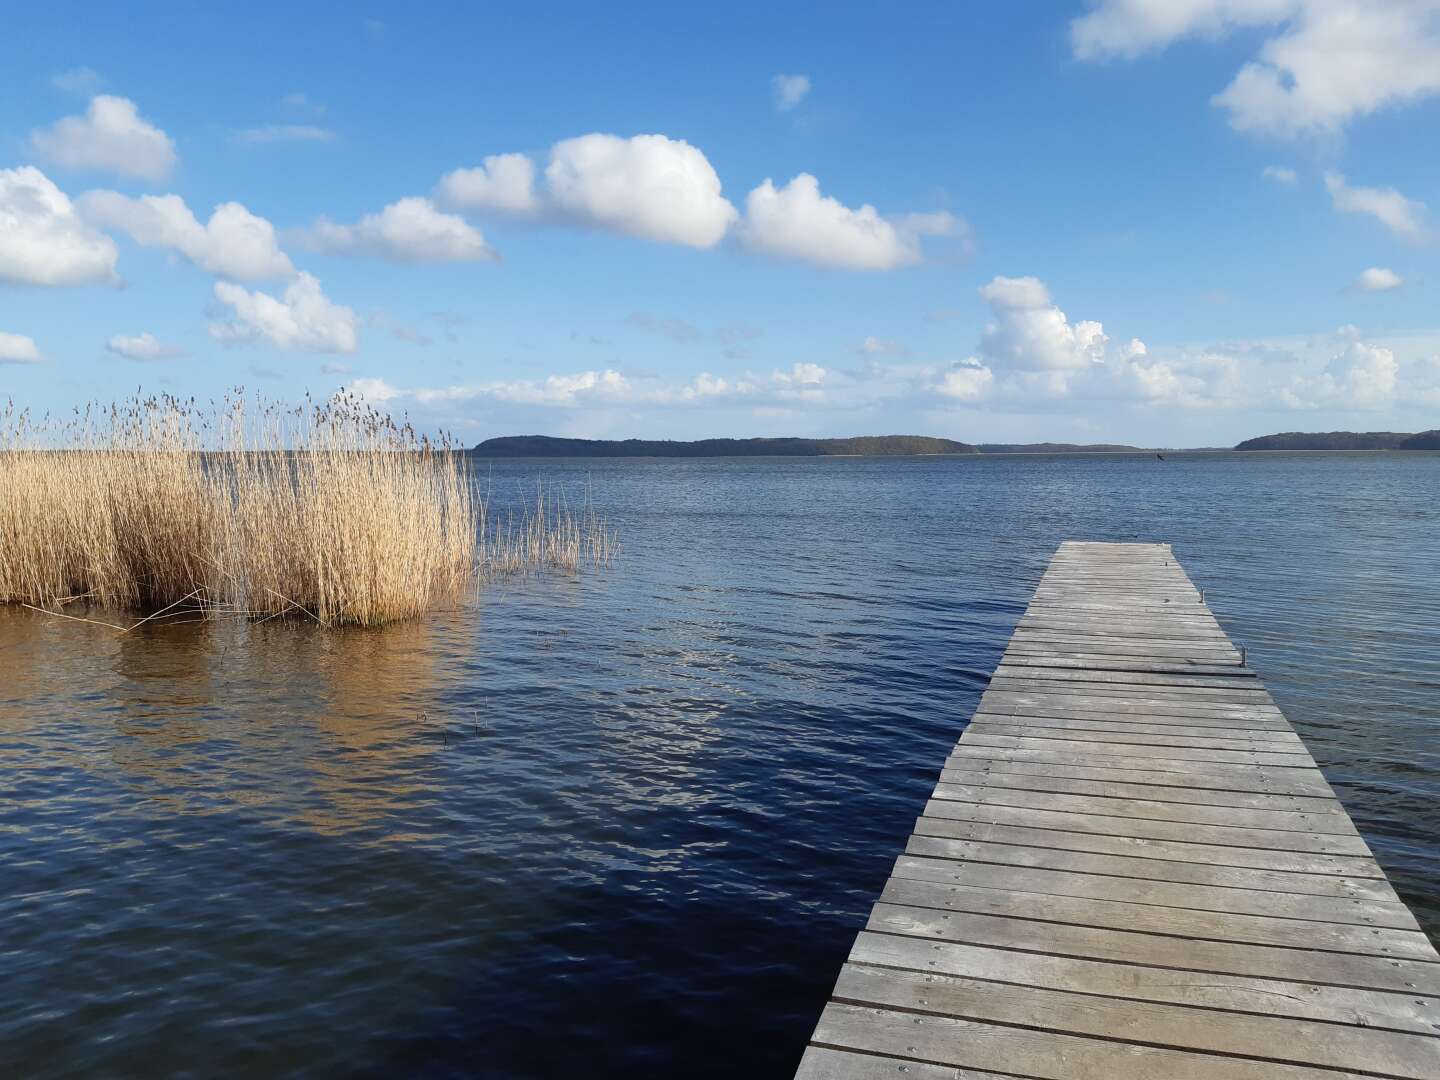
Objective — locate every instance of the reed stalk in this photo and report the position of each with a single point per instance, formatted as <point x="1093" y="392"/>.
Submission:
<point x="330" y="511"/>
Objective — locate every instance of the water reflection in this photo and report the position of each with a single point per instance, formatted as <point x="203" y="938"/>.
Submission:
<point x="647" y="808"/>
<point x="327" y="729"/>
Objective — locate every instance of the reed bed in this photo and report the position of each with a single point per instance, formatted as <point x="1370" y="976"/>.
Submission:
<point x="329" y="511"/>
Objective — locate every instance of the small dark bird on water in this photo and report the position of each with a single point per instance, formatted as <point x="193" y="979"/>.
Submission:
<point x="1160" y="456"/>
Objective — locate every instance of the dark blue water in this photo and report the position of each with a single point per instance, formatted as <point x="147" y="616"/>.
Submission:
<point x="628" y="823"/>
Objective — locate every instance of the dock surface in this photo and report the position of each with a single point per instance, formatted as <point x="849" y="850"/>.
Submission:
<point x="1131" y="869"/>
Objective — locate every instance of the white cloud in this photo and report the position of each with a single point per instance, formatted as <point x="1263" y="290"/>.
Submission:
<point x="1362" y="376"/>
<point x="966" y="382"/>
<point x="1281" y="174"/>
<point x="1029" y="333"/>
<point x="18" y="349"/>
<point x="649" y="185"/>
<point x="789" y="90"/>
<point x="335" y="367"/>
<point x="410" y="230"/>
<point x="80" y="81"/>
<point x="1378" y="279"/>
<point x="234" y="243"/>
<point x="43" y="241"/>
<point x="144" y="346"/>
<point x="274" y="133"/>
<point x="797" y="222"/>
<point x="505" y="182"/>
<point x="1403" y="217"/>
<point x="304" y="318"/>
<point x="1324" y="62"/>
<point x="112" y="136"/>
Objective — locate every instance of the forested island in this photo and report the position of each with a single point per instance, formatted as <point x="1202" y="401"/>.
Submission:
<point x="546" y="446"/>
<point x="1059" y="448"/>
<point x="1344" y="440"/>
<point x="872" y="445"/>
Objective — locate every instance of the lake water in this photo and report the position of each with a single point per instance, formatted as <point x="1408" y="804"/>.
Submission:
<point x="627" y="824"/>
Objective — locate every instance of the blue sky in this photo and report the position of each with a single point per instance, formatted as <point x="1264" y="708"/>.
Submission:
<point x="1129" y="220"/>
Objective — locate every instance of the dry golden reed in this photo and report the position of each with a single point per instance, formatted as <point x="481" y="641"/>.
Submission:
<point x="331" y="511"/>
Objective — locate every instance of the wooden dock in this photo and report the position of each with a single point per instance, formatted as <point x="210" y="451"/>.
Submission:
<point x="1131" y="869"/>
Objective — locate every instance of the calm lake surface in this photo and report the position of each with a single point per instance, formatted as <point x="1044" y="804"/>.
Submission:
<point x="627" y="824"/>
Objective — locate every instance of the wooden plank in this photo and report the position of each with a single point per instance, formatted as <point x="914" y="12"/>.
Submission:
<point x="1129" y="807"/>
<point x="1260" y="902"/>
<point x="1270" y="1038"/>
<point x="1183" y="832"/>
<point x="1284" y="742"/>
<point x="1139" y="847"/>
<point x="1131" y="867"/>
<point x="980" y="741"/>
<point x="1188" y="924"/>
<point x="1402" y="975"/>
<point x="1241" y="777"/>
<point x="944" y="1040"/>
<point x="1266" y="997"/>
<point x="1074" y="782"/>
<point x="1145" y="868"/>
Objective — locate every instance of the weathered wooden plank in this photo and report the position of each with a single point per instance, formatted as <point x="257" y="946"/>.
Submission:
<point x="1272" y="780"/>
<point x="1074" y="782"/>
<point x="981" y="740"/>
<point x="1421" y="977"/>
<point x="827" y="1063"/>
<point x="1136" y="722"/>
<point x="1025" y="1052"/>
<point x="1052" y="697"/>
<point x="1145" y="868"/>
<point x="1262" y="902"/>
<point x="1130" y="867"/>
<point x="1142" y="725"/>
<point x="1147" y="828"/>
<point x="987" y="724"/>
<point x="1268" y="997"/>
<point x="1186" y="923"/>
<point x="1300" y="862"/>
<point x="1129" y="807"/>
<point x="1298" y="1042"/>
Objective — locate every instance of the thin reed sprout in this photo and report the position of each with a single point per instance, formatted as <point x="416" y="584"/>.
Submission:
<point x="330" y="511"/>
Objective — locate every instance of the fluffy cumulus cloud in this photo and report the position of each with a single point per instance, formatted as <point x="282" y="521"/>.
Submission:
<point x="18" y="349"/>
<point x="504" y="182"/>
<point x="787" y="91"/>
<point x="411" y="230"/>
<point x="1378" y="279"/>
<point x="43" y="240"/>
<point x="798" y="222"/>
<point x="234" y="243"/>
<point x="302" y="319"/>
<point x="648" y="185"/>
<point x="1321" y="64"/>
<point x="968" y="381"/>
<point x="143" y="347"/>
<point x="665" y="189"/>
<point x="1035" y="344"/>
<point x="111" y="136"/>
<point x="1360" y="376"/>
<point x="1402" y="216"/>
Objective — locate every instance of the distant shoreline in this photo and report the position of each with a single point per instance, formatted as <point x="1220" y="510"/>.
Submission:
<point x="892" y="446"/>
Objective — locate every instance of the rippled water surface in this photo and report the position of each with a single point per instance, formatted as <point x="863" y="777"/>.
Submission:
<point x="628" y="824"/>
